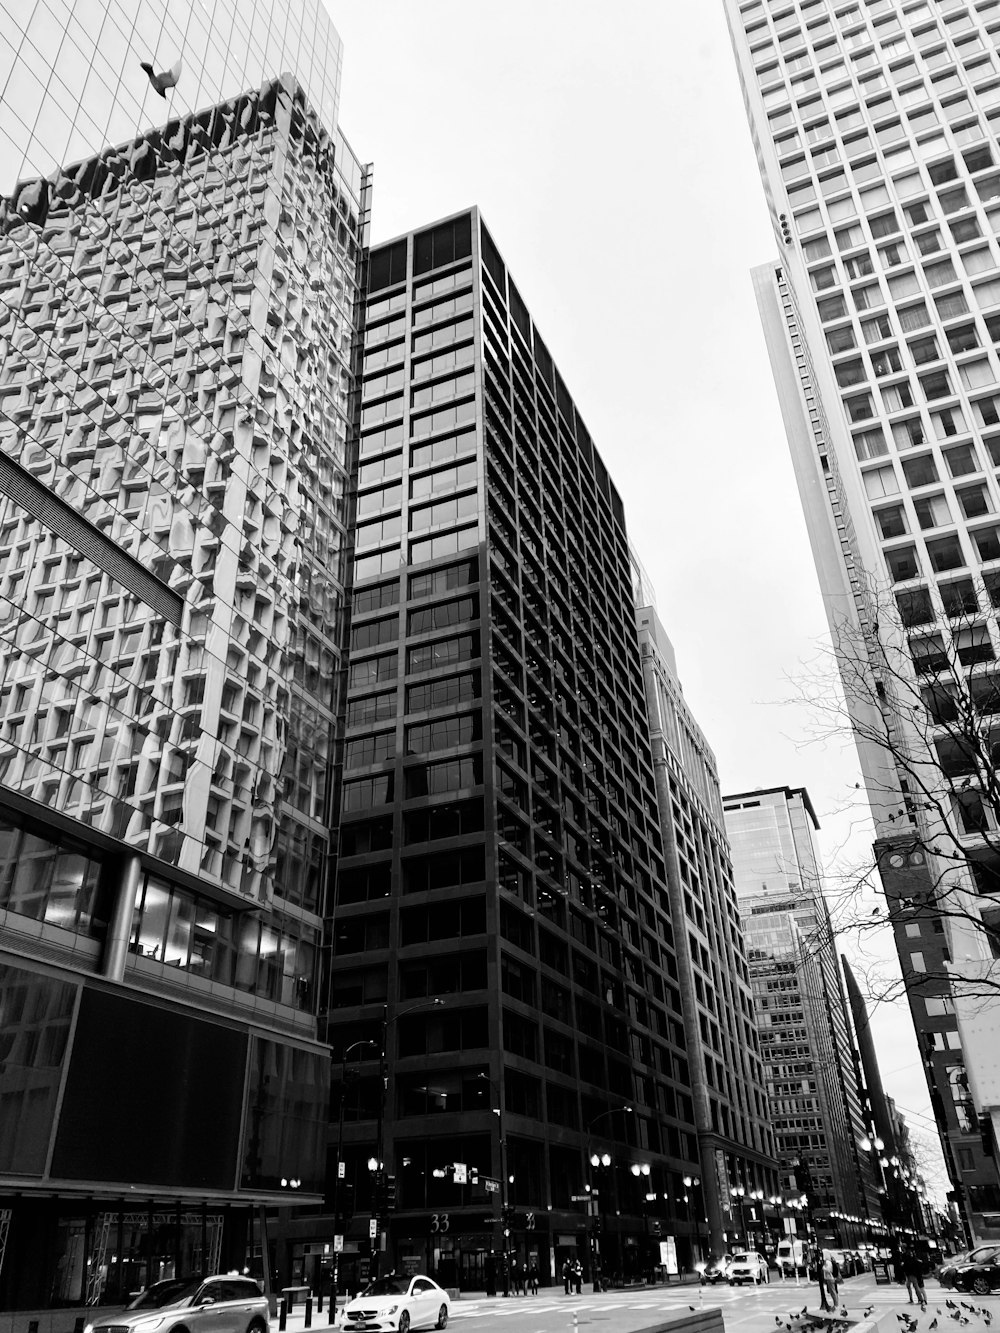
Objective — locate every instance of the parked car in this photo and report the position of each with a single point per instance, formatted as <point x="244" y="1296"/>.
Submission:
<point x="716" y="1269"/>
<point x="399" y="1303"/>
<point x="224" y="1304"/>
<point x="981" y="1276"/>
<point x="748" y="1266"/>
<point x="947" y="1272"/>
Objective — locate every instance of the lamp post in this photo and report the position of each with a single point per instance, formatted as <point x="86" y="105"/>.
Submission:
<point x="640" y="1169"/>
<point x="601" y="1160"/>
<point x="689" y="1183"/>
<point x="501" y="1249"/>
<point x="376" y="1164"/>
<point x="738" y="1193"/>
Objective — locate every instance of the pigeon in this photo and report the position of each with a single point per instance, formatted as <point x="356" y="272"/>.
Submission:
<point x="161" y="82"/>
<point x="843" y="1312"/>
<point x="867" y="1312"/>
<point x="692" y="1307"/>
<point x="932" y="1324"/>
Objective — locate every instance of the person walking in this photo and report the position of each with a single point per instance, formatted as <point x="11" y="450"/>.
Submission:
<point x="578" y="1277"/>
<point x="829" y="1279"/>
<point x="567" y="1275"/>
<point x="913" y="1272"/>
<point x="533" y="1277"/>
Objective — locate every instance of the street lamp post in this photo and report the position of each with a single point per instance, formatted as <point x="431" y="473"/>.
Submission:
<point x="502" y="1221"/>
<point x="758" y="1197"/>
<point x="737" y="1193"/>
<point x="601" y="1160"/>
<point x="640" y="1169"/>
<point x="689" y="1183"/>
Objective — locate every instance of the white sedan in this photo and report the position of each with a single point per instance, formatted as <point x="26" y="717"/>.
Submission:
<point x="399" y="1304"/>
<point x="749" y="1266"/>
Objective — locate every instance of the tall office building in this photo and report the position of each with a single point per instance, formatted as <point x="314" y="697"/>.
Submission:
<point x="805" y="1036"/>
<point x="500" y="846"/>
<point x="176" y="335"/>
<point x="875" y="130"/>
<point x="739" y="1177"/>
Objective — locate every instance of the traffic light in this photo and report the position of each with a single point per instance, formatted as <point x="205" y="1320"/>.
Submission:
<point x="390" y="1193"/>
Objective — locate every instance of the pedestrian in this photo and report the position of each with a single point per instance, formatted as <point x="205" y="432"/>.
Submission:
<point x="829" y="1279"/>
<point x="567" y="1275"/>
<point x="816" y="1266"/>
<point x="533" y="1277"/>
<point x="913" y="1271"/>
<point x="578" y="1277"/>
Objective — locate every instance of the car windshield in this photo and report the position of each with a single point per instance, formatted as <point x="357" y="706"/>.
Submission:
<point x="386" y="1286"/>
<point x="741" y="1258"/>
<point x="165" y="1293"/>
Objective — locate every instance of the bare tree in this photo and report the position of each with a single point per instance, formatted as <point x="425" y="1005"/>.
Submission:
<point x="921" y="693"/>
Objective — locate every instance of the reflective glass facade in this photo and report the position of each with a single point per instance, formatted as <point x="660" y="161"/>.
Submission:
<point x="177" y="336"/>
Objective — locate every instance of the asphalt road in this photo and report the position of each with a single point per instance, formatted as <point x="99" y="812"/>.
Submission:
<point x="744" y="1309"/>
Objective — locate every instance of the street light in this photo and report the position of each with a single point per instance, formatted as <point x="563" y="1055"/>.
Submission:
<point x="738" y="1193"/>
<point x="689" y="1182"/>
<point x="602" y="1160"/>
<point x="502" y="1226"/>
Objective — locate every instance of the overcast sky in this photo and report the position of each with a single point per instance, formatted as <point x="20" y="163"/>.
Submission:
<point x="609" y="151"/>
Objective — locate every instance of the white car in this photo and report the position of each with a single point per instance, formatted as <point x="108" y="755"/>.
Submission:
<point x="399" y="1304"/>
<point x="748" y="1266"/>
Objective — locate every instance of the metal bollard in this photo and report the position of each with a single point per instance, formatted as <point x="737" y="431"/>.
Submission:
<point x="309" y="1311"/>
<point x="78" y="1325"/>
<point x="283" y="1314"/>
<point x="319" y="1301"/>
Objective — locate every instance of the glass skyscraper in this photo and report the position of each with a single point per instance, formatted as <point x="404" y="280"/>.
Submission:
<point x="177" y="328"/>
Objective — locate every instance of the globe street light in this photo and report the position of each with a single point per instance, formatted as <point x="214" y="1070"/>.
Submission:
<point x="602" y="1160"/>
<point x="689" y="1182"/>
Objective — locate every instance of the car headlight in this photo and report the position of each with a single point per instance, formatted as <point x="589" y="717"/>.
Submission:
<point x="149" y="1322"/>
<point x="386" y="1310"/>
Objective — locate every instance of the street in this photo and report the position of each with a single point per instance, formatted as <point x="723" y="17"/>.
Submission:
<point x="744" y="1309"/>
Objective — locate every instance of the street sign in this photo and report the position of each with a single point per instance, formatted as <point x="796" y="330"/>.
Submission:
<point x="461" y="1173"/>
<point x="338" y="1244"/>
<point x="581" y="1198"/>
<point x="372" y="1228"/>
<point x="790" y="1225"/>
<point x="490" y="1185"/>
<point x="340" y="1170"/>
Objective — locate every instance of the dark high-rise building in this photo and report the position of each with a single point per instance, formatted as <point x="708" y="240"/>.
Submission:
<point x="739" y="1175"/>
<point x="176" y="330"/>
<point x="503" y="928"/>
<point x="815" y="1098"/>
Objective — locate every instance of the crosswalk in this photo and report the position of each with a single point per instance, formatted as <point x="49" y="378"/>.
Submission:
<point x="564" y="1305"/>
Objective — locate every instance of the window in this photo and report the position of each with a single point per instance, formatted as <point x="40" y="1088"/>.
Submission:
<point x="961" y="460"/>
<point x="870" y="444"/>
<point x="892" y="521"/>
<point x="917" y="213"/>
<point x="883" y="225"/>
<point x="902" y="562"/>
<point x="915" y="607"/>
<point x="945" y="553"/>
<point x="932" y="511"/>
<point x="952" y="304"/>
<point x="860" y="407"/>
<point x="987" y="542"/>
<point x="891" y="256"/>
<point x="936" y="385"/>
<point x="948" y="421"/>
<point x="952" y="201"/>
<point x="858" y="266"/>
<point x="841" y="340"/>
<point x="881" y="481"/>
<point x="895" y="397"/>
<point x="876" y="329"/>
<point x="917" y="961"/>
<point x="865" y="298"/>
<point x="370" y="750"/>
<point x="963" y="338"/>
<point x="848" y="238"/>
<point x="924" y="349"/>
<point x="920" y="471"/>
<point x="976" y="374"/>
<point x="940" y="273"/>
<point x="977" y="261"/>
<point x="929" y="242"/>
<point x="908" y="434"/>
<point x="959" y="598"/>
<point x="903" y="285"/>
<point x="442" y="734"/>
<point x="914" y="317"/>
<point x="942" y="172"/>
<point x="831" y="307"/>
<point x="850" y="372"/>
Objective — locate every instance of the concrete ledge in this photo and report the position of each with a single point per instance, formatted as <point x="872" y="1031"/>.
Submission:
<point x="700" y="1321"/>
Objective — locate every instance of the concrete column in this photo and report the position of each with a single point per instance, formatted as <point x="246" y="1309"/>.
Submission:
<point x="116" y="948"/>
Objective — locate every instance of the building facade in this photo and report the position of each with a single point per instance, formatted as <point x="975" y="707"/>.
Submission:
<point x="177" y="319"/>
<point x="505" y="982"/>
<point x="739" y="1172"/>
<point x="875" y="131"/>
<point x="805" y="1038"/>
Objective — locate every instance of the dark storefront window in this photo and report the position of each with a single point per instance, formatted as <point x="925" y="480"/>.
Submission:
<point x="35" y="1015"/>
<point x="285" y="1134"/>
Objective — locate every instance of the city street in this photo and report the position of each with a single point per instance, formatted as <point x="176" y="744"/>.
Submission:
<point x="744" y="1309"/>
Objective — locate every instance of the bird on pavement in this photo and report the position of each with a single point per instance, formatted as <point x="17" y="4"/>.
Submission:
<point x="932" y="1324"/>
<point x="165" y="79"/>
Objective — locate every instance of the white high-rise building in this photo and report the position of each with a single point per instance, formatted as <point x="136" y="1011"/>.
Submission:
<point x="875" y="129"/>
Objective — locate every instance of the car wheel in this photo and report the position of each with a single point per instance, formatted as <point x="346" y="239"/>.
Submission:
<point x="404" y="1322"/>
<point x="256" y="1326"/>
<point x="442" y="1317"/>
<point x="981" y="1285"/>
